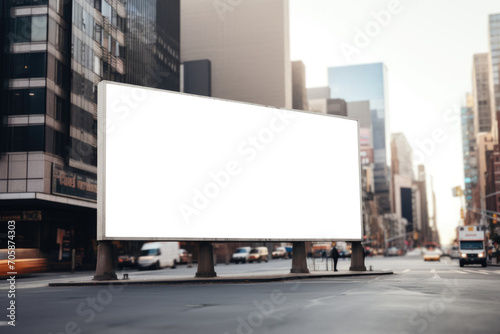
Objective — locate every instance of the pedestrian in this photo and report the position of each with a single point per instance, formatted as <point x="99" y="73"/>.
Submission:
<point x="335" y="257"/>
<point x="323" y="255"/>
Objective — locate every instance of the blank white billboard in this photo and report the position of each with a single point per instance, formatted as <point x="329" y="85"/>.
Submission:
<point x="174" y="166"/>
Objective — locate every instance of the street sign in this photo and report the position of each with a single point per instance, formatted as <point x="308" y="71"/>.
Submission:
<point x="174" y="166"/>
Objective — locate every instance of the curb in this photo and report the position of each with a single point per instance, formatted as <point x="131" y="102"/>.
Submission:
<point x="219" y="280"/>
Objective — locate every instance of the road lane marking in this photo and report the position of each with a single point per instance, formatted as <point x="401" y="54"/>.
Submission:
<point x="433" y="271"/>
<point x="476" y="272"/>
<point x="484" y="272"/>
<point x="461" y="272"/>
<point x="406" y="270"/>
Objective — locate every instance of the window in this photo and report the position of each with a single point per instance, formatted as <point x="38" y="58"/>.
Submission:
<point x="28" y="65"/>
<point x="27" y="101"/>
<point x="98" y="34"/>
<point x="106" y="9"/>
<point x="55" y="142"/>
<point x="29" y="29"/>
<point x="25" y="138"/>
<point x="29" y="2"/>
<point x="39" y="28"/>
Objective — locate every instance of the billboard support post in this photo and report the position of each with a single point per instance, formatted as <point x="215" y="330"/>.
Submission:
<point x="205" y="260"/>
<point x="299" y="260"/>
<point x="357" y="257"/>
<point x="104" y="270"/>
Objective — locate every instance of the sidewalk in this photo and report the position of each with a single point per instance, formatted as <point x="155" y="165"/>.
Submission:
<point x="226" y="278"/>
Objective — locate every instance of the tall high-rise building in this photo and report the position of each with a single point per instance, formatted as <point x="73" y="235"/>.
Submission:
<point x="369" y="82"/>
<point x="247" y="43"/>
<point x="425" y="234"/>
<point x="55" y="55"/>
<point x="299" y="92"/>
<point x="483" y="116"/>
<point x="494" y="64"/>
<point x="494" y="37"/>
<point x="469" y="151"/>
<point x="402" y="181"/>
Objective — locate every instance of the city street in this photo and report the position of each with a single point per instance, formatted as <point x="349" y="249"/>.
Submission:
<point x="421" y="297"/>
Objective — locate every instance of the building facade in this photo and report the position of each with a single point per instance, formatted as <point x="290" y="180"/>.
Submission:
<point x="299" y="92"/>
<point x="483" y="116"/>
<point x="369" y="82"/>
<point x="55" y="55"/>
<point x="247" y="43"/>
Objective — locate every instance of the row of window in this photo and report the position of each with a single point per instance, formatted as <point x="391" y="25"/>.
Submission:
<point x="28" y="29"/>
<point x="28" y="65"/>
<point x="18" y="3"/>
<point x="82" y="53"/>
<point x="83" y="87"/>
<point x="26" y="101"/>
<point x="84" y="152"/>
<point x="57" y="36"/>
<point x="24" y="138"/>
<point x="82" y="19"/>
<point x="35" y="138"/>
<point x="83" y="120"/>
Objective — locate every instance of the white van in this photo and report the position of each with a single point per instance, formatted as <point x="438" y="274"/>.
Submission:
<point x="241" y="255"/>
<point x="158" y="255"/>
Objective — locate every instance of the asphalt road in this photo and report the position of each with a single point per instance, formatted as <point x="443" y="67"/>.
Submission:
<point x="421" y="297"/>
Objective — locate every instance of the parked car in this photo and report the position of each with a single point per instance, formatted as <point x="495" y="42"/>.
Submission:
<point x="280" y="253"/>
<point x="241" y="255"/>
<point x="183" y="256"/>
<point x="156" y="255"/>
<point x="393" y="251"/>
<point x="454" y="253"/>
<point x="126" y="260"/>
<point x="27" y="261"/>
<point x="258" y="254"/>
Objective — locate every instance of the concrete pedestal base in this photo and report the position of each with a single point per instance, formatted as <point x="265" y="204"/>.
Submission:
<point x="205" y="260"/>
<point x="357" y="257"/>
<point x="299" y="258"/>
<point x="104" y="269"/>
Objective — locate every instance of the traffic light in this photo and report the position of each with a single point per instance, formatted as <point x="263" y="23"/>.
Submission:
<point x="462" y="213"/>
<point x="494" y="218"/>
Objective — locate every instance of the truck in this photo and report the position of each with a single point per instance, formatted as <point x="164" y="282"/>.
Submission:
<point x="156" y="255"/>
<point x="472" y="245"/>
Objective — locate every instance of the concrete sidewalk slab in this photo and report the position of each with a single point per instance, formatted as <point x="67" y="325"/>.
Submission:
<point x="248" y="278"/>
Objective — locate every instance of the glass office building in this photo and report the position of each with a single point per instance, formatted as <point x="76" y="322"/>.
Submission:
<point x="55" y="53"/>
<point x="369" y="82"/>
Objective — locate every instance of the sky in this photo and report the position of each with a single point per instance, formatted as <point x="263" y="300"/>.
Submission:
<point x="427" y="47"/>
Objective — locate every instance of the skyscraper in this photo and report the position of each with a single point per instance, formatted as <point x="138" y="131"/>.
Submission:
<point x="469" y="151"/>
<point x="56" y="54"/>
<point x="494" y="37"/>
<point x="369" y="82"/>
<point x="483" y="115"/>
<point x="494" y="64"/>
<point x="247" y="44"/>
<point x="299" y="92"/>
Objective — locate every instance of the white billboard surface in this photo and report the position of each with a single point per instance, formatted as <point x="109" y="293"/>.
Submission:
<point x="174" y="166"/>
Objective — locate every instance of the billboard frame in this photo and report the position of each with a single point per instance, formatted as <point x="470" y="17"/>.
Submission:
<point x="101" y="177"/>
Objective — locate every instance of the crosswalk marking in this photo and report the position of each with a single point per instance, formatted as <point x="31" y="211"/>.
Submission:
<point x="433" y="271"/>
<point x="406" y="270"/>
